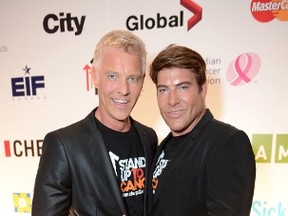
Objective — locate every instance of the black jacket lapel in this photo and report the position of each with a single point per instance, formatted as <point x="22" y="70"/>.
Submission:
<point x="149" y="142"/>
<point x="186" y="146"/>
<point x="103" y="163"/>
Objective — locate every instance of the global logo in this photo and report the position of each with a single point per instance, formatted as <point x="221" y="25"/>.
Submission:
<point x="159" y="21"/>
<point x="267" y="10"/>
<point x="243" y="69"/>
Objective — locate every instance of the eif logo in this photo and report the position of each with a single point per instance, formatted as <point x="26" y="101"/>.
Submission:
<point x="23" y="148"/>
<point x="268" y="10"/>
<point x="88" y="69"/>
<point x="62" y="22"/>
<point x="269" y="148"/>
<point x="243" y="69"/>
<point x="27" y="85"/>
<point x="159" y="21"/>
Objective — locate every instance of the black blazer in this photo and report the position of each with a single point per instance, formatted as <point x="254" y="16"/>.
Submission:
<point x="211" y="173"/>
<point x="75" y="172"/>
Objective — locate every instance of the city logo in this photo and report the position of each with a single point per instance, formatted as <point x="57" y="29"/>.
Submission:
<point x="267" y="150"/>
<point x="268" y="10"/>
<point x="23" y="148"/>
<point x="243" y="69"/>
<point x="53" y="23"/>
<point x="22" y="202"/>
<point x="134" y="23"/>
<point x="88" y="68"/>
<point x="27" y="86"/>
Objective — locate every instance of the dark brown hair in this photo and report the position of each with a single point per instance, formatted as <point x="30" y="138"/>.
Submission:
<point x="175" y="56"/>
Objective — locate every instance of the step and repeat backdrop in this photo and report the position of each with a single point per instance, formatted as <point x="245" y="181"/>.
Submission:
<point x="46" y="48"/>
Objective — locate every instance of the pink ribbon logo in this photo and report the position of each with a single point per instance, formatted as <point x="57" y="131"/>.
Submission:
<point x="242" y="70"/>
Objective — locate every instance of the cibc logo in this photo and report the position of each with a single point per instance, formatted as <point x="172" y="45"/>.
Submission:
<point x="53" y="23"/>
<point x="159" y="21"/>
<point x="27" y="86"/>
<point x="243" y="69"/>
<point x="267" y="10"/>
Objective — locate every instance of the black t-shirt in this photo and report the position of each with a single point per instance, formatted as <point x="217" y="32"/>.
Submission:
<point x="128" y="160"/>
<point x="170" y="148"/>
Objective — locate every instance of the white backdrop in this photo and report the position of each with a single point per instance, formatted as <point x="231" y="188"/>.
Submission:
<point x="45" y="53"/>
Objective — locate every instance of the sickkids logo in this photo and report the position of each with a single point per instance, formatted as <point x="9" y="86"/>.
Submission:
<point x="88" y="68"/>
<point x="22" y="148"/>
<point x="264" y="208"/>
<point x="27" y="86"/>
<point x="63" y="22"/>
<point x="141" y="22"/>
<point x="243" y="69"/>
<point x="269" y="148"/>
<point x="268" y="10"/>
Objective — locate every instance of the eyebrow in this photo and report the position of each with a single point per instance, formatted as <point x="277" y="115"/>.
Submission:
<point x="178" y="84"/>
<point x="111" y="72"/>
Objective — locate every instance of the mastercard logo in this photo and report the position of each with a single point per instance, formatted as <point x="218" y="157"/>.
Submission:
<point x="267" y="10"/>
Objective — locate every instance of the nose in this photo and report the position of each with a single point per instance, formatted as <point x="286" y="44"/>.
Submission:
<point x="173" y="98"/>
<point x="123" y="87"/>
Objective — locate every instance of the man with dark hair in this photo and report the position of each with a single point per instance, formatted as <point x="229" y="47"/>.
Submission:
<point x="204" y="166"/>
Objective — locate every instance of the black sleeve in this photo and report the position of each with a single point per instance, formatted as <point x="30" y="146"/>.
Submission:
<point x="230" y="177"/>
<point x="52" y="189"/>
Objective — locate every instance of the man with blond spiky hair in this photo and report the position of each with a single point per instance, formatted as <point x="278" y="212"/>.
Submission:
<point x="98" y="165"/>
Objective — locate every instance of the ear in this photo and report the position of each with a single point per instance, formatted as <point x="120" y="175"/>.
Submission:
<point x="204" y="90"/>
<point x="94" y="75"/>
